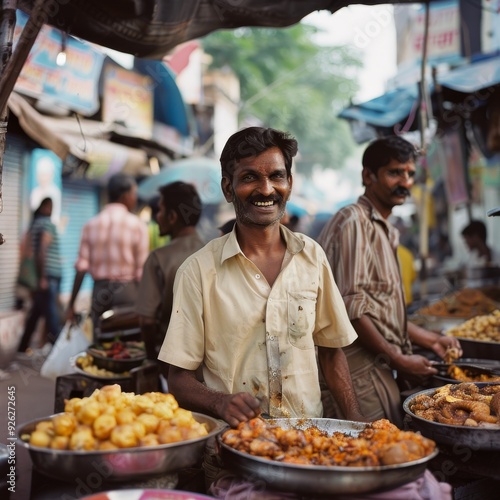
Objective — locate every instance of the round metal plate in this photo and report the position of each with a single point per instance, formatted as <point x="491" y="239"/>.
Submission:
<point x="323" y="479"/>
<point x="476" y="438"/>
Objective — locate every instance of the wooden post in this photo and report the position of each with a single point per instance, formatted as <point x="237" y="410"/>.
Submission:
<point x="424" y="216"/>
<point x="7" y="25"/>
<point x="12" y="62"/>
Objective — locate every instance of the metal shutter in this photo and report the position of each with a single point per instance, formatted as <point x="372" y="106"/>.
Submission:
<point x="10" y="220"/>
<point x="80" y="202"/>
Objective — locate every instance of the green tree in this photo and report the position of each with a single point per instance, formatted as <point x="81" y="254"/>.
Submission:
<point x="291" y="83"/>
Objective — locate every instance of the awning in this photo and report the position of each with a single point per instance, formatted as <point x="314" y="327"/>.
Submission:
<point x="85" y="140"/>
<point x="387" y="110"/>
<point x="473" y="77"/>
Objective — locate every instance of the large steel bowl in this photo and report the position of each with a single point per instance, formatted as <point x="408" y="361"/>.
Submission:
<point x="480" y="349"/>
<point x="443" y="378"/>
<point x="124" y="465"/>
<point x="322" y="480"/>
<point x="475" y="438"/>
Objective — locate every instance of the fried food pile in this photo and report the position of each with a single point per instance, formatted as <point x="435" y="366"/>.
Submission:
<point x="485" y="328"/>
<point x="464" y="303"/>
<point x="110" y="419"/>
<point x="460" y="404"/>
<point x="86" y="363"/>
<point x="463" y="374"/>
<point x="381" y="443"/>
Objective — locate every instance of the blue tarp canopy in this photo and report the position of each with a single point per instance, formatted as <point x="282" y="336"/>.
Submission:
<point x="385" y="111"/>
<point x="169" y="106"/>
<point x="476" y="76"/>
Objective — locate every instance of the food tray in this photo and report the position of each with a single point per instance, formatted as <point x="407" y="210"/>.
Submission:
<point x="109" y="379"/>
<point x="122" y="465"/>
<point x="476" y="438"/>
<point x="324" y="480"/>
<point x="442" y="378"/>
<point x="116" y="365"/>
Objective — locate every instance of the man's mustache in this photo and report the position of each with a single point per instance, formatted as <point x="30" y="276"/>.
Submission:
<point x="401" y="191"/>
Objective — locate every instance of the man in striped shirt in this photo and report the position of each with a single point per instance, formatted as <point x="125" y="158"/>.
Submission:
<point x="113" y="248"/>
<point x="361" y="246"/>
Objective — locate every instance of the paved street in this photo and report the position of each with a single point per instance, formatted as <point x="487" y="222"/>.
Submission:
<point x="34" y="398"/>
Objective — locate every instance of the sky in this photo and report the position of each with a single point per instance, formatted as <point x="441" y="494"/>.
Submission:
<point x="370" y="29"/>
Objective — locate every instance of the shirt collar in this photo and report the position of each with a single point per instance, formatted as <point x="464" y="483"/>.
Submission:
<point x="231" y="246"/>
<point x="374" y="214"/>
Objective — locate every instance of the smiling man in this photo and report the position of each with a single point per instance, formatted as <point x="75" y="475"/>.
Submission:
<point x="361" y="246"/>
<point x="251" y="306"/>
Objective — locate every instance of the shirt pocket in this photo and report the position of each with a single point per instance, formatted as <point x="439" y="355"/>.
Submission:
<point x="301" y="319"/>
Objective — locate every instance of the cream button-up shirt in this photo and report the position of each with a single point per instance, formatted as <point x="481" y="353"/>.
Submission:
<point x="250" y="337"/>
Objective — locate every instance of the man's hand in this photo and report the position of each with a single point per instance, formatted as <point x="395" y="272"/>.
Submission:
<point x="415" y="367"/>
<point x="236" y="408"/>
<point x="444" y="343"/>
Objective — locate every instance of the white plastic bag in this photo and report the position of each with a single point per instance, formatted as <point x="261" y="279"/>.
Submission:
<point x="71" y="341"/>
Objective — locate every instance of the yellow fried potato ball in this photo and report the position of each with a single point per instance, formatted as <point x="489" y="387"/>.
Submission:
<point x="149" y="421"/>
<point x="142" y="404"/>
<point x="109" y="393"/>
<point x="182" y="418"/>
<point x="139" y="429"/>
<point x="59" y="443"/>
<point x="125" y="416"/>
<point x="72" y="405"/>
<point x="64" y="424"/>
<point x="149" y="440"/>
<point x="46" y="426"/>
<point x="107" y="445"/>
<point x="163" y="410"/>
<point x="124" y="436"/>
<point x="89" y="412"/>
<point x="40" y="438"/>
<point x="103" y="425"/>
<point x="82" y="439"/>
<point x="170" y="435"/>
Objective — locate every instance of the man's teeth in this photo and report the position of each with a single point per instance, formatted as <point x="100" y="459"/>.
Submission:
<point x="264" y="203"/>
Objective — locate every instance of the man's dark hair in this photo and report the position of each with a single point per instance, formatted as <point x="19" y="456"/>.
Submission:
<point x="184" y="199"/>
<point x="475" y="228"/>
<point x="380" y="152"/>
<point x="119" y="184"/>
<point x="252" y="141"/>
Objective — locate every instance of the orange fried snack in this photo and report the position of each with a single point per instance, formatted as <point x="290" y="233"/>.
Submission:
<point x="381" y="443"/>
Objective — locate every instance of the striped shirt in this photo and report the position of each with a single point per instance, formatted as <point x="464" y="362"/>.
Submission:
<point x="53" y="265"/>
<point x="114" y="245"/>
<point x="361" y="248"/>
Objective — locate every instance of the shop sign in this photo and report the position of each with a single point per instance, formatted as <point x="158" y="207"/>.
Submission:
<point x="128" y="100"/>
<point x="72" y="85"/>
<point x="443" y="43"/>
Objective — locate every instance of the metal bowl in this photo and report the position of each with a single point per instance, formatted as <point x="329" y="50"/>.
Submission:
<point x="112" y="364"/>
<point x="480" y="349"/>
<point x="122" y="465"/>
<point x="77" y="368"/>
<point x="442" y="378"/>
<point x="438" y="324"/>
<point x="323" y="480"/>
<point x="475" y="438"/>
